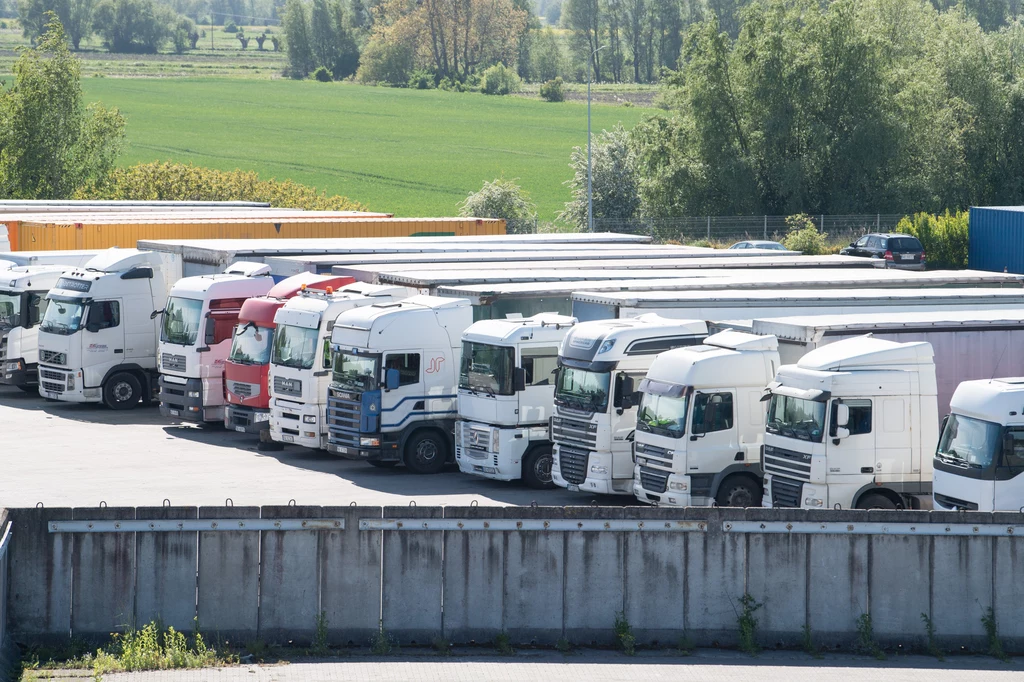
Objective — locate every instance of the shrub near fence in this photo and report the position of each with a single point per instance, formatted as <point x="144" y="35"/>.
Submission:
<point x="944" y="237"/>
<point x="840" y="229"/>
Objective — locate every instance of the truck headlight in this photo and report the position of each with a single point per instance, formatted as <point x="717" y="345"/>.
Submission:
<point x="261" y="417"/>
<point x="598" y="470"/>
<point x="14" y="366"/>
<point x="193" y="394"/>
<point x="495" y="440"/>
<point x="365" y="442"/>
<point x="71" y="382"/>
<point x="813" y="502"/>
<point x="309" y="419"/>
<point x="682" y="487"/>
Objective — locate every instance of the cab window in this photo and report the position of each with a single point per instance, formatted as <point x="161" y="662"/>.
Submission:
<point x="539" y="364"/>
<point x="408" y="366"/>
<point x="104" y="314"/>
<point x="721" y="418"/>
<point x="860" y="417"/>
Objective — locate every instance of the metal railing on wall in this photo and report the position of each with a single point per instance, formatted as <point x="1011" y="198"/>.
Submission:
<point x="722" y="228"/>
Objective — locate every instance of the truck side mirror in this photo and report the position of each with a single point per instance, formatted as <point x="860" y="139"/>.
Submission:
<point x="842" y="432"/>
<point x="842" y="416"/>
<point x="153" y="315"/>
<point x="391" y="379"/>
<point x="211" y="327"/>
<point x="624" y="389"/>
<point x="519" y="379"/>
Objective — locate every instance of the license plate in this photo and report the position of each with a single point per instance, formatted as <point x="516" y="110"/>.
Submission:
<point x="573" y="487"/>
<point x="240" y="429"/>
<point x="51" y="395"/>
<point x="289" y="439"/>
<point x="342" y="450"/>
<point x="907" y="256"/>
<point x="175" y="413"/>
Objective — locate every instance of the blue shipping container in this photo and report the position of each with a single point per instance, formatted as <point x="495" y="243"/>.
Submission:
<point x="996" y="239"/>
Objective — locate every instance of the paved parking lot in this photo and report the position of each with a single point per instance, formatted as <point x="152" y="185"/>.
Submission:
<point x="62" y="454"/>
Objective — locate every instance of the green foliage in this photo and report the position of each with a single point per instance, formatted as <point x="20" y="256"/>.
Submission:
<point x="808" y="643"/>
<point x="685" y="646"/>
<point x="297" y="39"/>
<point x="320" y="646"/>
<point x="866" y="637"/>
<point x="944" y="237"/>
<point x="74" y="15"/>
<point x="421" y="80"/>
<point x="995" y="644"/>
<point x="442" y="646"/>
<point x="323" y="75"/>
<point x="552" y="91"/>
<point x="502" y="199"/>
<point x="930" y="646"/>
<point x="803" y="236"/>
<point x="382" y="643"/>
<point x="185" y="182"/>
<point x="563" y="645"/>
<point x="153" y="648"/>
<point x="615" y="181"/>
<point x="133" y="25"/>
<point x="503" y="643"/>
<point x="624" y="634"/>
<point x="385" y="63"/>
<point x="547" y="56"/>
<point x="748" y="625"/>
<point x="230" y="27"/>
<point x="50" y="145"/>
<point x="500" y="80"/>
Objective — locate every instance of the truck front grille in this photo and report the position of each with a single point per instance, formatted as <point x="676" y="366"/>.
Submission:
<point x="474" y="441"/>
<point x="292" y="387"/>
<point x="51" y="357"/>
<point x="785" y="492"/>
<point x="795" y="465"/>
<point x="172" y="363"/>
<point x="654" y="454"/>
<point x="574" y="432"/>
<point x="50" y="374"/>
<point x="573" y="464"/>
<point x="653" y="480"/>
<point x="343" y="418"/>
<point x="243" y="389"/>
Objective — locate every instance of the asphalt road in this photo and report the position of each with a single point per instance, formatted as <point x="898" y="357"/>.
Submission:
<point x="63" y="454"/>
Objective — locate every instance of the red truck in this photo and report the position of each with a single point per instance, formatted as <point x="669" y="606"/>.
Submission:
<point x="247" y="366"/>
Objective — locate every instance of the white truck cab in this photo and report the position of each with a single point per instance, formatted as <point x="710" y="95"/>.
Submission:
<point x="23" y="292"/>
<point x="852" y="425"/>
<point x="195" y="337"/>
<point x="394" y="383"/>
<point x="700" y="423"/>
<point x="300" y="358"/>
<point x="979" y="462"/>
<point x="98" y="336"/>
<point x="600" y="364"/>
<point x="506" y="397"/>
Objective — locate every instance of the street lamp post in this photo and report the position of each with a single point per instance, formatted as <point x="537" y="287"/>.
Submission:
<point x="590" y="182"/>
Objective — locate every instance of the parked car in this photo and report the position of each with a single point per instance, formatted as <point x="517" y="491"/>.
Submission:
<point x="758" y="244"/>
<point x="897" y="250"/>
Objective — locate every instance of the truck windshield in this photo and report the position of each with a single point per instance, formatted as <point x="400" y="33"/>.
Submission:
<point x="251" y="344"/>
<point x="582" y="389"/>
<point x="662" y="415"/>
<point x="796" y="418"/>
<point x="62" y="317"/>
<point x="356" y="372"/>
<point x="10" y="309"/>
<point x="969" y="443"/>
<point x="181" y="321"/>
<point x="486" y="368"/>
<point x="294" y="346"/>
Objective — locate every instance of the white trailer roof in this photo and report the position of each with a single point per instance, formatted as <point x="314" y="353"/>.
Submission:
<point x="730" y="279"/>
<point x="806" y="329"/>
<point x="799" y="297"/>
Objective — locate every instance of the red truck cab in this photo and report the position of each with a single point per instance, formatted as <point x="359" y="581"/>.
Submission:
<point x="248" y="363"/>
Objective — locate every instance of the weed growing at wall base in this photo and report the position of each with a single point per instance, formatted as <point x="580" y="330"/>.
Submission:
<point x="748" y="625"/>
<point x="153" y="648"/>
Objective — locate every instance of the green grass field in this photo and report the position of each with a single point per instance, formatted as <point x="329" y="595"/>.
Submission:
<point x="410" y="152"/>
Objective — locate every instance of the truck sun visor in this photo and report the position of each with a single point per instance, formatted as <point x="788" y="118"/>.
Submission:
<point x="815" y="394"/>
<point x="662" y="388"/>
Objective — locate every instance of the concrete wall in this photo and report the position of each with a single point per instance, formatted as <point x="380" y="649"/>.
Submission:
<point x="7" y="653"/>
<point x="537" y="585"/>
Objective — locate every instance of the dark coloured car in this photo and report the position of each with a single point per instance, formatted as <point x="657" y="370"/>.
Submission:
<point x="896" y="250"/>
<point x="758" y="244"/>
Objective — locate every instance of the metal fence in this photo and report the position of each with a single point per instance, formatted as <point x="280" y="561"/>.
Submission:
<point x="736" y="228"/>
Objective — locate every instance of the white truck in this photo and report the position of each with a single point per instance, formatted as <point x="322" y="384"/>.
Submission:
<point x="700" y="422"/>
<point x="300" y="358"/>
<point x="195" y="337"/>
<point x="393" y="391"/>
<point x="979" y="460"/>
<point x="506" y="397"/>
<point x="599" y="366"/>
<point x="98" y="336"/>
<point x="852" y="425"/>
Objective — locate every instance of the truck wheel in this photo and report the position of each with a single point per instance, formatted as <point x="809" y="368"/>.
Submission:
<point x="537" y="468"/>
<point x="739" y="491"/>
<point x="426" y="452"/>
<point x="122" y="392"/>
<point x="875" y="501"/>
<point x="381" y="464"/>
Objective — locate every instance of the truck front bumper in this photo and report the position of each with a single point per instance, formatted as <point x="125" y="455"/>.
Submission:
<point x="504" y="465"/>
<point x="184" y="401"/>
<point x="246" y="419"/>
<point x="17" y="372"/>
<point x="675" y="493"/>
<point x="66" y="385"/>
<point x="386" y="451"/>
<point x="297" y="423"/>
<point x="589" y="472"/>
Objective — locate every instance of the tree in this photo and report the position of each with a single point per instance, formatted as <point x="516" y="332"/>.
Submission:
<point x="184" y="31"/>
<point x="502" y="199"/>
<point x="548" y="57"/>
<point x="133" y="25"/>
<point x="615" y="187"/>
<point x="50" y="145"/>
<point x="583" y="18"/>
<point x="260" y="39"/>
<point x="74" y="15"/>
<point x="296" y="32"/>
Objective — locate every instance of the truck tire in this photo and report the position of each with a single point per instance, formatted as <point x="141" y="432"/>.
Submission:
<point x="875" y="501"/>
<point x="537" y="468"/>
<point x="426" y="452"/>
<point x="122" y="391"/>
<point x="381" y="464"/>
<point x="739" y="491"/>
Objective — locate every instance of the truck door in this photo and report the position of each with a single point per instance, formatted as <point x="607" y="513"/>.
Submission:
<point x="713" y="443"/>
<point x="537" y="399"/>
<point x="410" y="396"/>
<point x="1009" y="483"/>
<point x="853" y="456"/>
<point x="103" y="340"/>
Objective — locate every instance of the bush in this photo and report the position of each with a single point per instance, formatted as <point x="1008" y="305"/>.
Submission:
<point x="451" y="85"/>
<point x="502" y="199"/>
<point x="385" y="63"/>
<point x="944" y="237"/>
<point x="804" y="236"/>
<point x="500" y="80"/>
<point x="323" y="74"/>
<point x="230" y="27"/>
<point x="552" y="90"/>
<point x="421" y="80"/>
